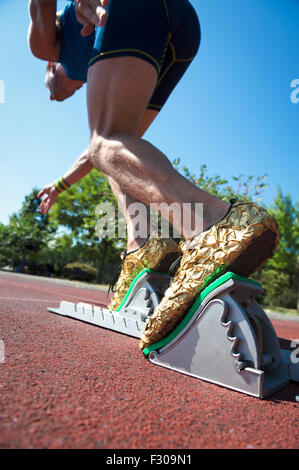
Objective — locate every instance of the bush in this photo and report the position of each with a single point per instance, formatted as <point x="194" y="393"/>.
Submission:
<point x="278" y="289"/>
<point x="80" y="272"/>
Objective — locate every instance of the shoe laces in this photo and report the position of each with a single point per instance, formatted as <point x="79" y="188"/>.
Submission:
<point x="117" y="274"/>
<point x="175" y="265"/>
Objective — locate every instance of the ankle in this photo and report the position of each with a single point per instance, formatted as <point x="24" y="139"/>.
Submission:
<point x="135" y="243"/>
<point x="213" y="212"/>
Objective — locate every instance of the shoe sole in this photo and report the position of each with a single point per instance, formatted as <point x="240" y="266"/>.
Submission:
<point x="252" y="258"/>
<point x="255" y="255"/>
<point x="167" y="261"/>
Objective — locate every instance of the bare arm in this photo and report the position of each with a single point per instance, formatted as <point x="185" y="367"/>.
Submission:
<point x="43" y="38"/>
<point x="77" y="171"/>
<point x="83" y="166"/>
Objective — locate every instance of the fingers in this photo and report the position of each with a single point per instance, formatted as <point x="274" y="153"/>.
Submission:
<point x="44" y="191"/>
<point x="89" y="13"/>
<point x="102" y="15"/>
<point x="98" y="6"/>
<point x="44" y="206"/>
<point x="48" y="201"/>
<point x="87" y="29"/>
<point x="41" y="193"/>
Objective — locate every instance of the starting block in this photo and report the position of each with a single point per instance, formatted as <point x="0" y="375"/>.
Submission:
<point x="225" y="338"/>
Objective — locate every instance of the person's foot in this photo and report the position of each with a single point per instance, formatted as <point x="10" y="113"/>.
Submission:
<point x="156" y="254"/>
<point x="135" y="244"/>
<point x="241" y="242"/>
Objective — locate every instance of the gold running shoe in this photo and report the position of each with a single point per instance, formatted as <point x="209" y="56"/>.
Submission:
<point x="241" y="242"/>
<point x="157" y="254"/>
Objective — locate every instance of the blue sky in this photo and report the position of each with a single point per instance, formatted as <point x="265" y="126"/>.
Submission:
<point x="231" y="111"/>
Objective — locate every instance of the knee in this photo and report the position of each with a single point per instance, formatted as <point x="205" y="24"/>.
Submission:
<point x="95" y="150"/>
<point x="105" y="151"/>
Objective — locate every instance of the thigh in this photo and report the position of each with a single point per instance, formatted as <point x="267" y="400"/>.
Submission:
<point x="182" y="46"/>
<point x="126" y="61"/>
<point x="118" y="92"/>
<point x="147" y="119"/>
<point x="133" y="28"/>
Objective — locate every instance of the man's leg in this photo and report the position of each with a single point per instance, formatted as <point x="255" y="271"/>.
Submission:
<point x="134" y="241"/>
<point x="119" y="90"/>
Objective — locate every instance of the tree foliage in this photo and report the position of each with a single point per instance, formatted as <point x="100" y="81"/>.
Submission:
<point x="26" y="235"/>
<point x="67" y="241"/>
<point x="246" y="188"/>
<point x="280" y="277"/>
<point x="75" y="210"/>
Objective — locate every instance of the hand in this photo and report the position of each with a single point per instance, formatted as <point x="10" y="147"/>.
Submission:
<point x="90" y="13"/>
<point x="51" y="196"/>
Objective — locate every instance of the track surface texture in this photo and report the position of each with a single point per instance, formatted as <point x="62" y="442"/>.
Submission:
<point x="67" y="384"/>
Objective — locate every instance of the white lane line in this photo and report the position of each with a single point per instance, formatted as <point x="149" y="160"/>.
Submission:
<point x="28" y="300"/>
<point x="55" y="292"/>
<point x="30" y="285"/>
<point x="94" y="302"/>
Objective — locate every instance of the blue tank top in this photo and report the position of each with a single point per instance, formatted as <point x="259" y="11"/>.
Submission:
<point x="75" y="50"/>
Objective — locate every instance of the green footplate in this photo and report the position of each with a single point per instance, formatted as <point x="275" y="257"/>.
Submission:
<point x="218" y="282"/>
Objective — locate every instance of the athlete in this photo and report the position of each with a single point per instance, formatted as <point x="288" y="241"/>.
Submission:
<point x="137" y="58"/>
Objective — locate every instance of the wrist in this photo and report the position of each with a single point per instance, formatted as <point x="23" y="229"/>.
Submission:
<point x="61" y="185"/>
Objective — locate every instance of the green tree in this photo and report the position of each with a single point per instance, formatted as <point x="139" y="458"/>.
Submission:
<point x="27" y="233"/>
<point x="75" y="210"/>
<point x="283" y="268"/>
<point x="31" y="236"/>
<point x="287" y="217"/>
<point x="4" y="255"/>
<point x="246" y="188"/>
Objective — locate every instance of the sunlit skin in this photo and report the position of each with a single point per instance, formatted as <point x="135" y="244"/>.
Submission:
<point x="59" y="84"/>
<point x="44" y="43"/>
<point x="82" y="166"/>
<point x="90" y="14"/>
<point x="118" y="92"/>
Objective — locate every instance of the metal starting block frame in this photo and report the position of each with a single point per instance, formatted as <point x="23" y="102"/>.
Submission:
<point x="226" y="338"/>
<point x="144" y="294"/>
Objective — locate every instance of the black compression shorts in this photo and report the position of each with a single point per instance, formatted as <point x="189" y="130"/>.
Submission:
<point x="166" y="33"/>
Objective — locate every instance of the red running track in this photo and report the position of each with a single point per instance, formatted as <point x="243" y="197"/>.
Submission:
<point x="67" y="384"/>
